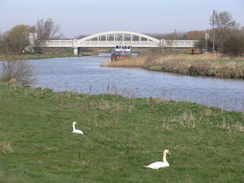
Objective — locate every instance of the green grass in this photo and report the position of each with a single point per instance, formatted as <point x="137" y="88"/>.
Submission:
<point x="34" y="56"/>
<point x="68" y="53"/>
<point x="120" y="137"/>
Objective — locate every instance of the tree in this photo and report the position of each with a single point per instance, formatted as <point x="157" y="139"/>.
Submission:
<point x="242" y="31"/>
<point x="195" y="35"/>
<point x="15" y="40"/>
<point x="201" y="44"/>
<point x="45" y="30"/>
<point x="234" y="46"/>
<point x="1" y="43"/>
<point x="224" y="24"/>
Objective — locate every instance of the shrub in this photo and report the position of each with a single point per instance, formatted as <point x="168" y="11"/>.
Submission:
<point x="234" y="46"/>
<point x="18" y="71"/>
<point x="201" y="44"/>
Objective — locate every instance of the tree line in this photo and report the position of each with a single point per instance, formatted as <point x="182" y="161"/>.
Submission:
<point x="228" y="35"/>
<point x="16" y="40"/>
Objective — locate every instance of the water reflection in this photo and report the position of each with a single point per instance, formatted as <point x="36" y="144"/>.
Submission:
<point x="86" y="76"/>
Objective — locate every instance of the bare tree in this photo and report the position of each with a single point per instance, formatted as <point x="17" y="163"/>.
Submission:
<point x="45" y="30"/>
<point x="1" y="43"/>
<point x="224" y="24"/>
<point x="195" y="35"/>
<point x="1" y="36"/>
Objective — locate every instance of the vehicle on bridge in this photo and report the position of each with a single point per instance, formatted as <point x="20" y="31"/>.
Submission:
<point x="192" y="51"/>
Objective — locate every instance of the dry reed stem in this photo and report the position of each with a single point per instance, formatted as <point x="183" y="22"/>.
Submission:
<point x="159" y="59"/>
<point x="237" y="126"/>
<point x="204" y="64"/>
<point x="186" y="120"/>
<point x="5" y="147"/>
<point x="126" y="62"/>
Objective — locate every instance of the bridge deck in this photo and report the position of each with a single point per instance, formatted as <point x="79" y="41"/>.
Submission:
<point x="113" y="38"/>
<point x="144" y="44"/>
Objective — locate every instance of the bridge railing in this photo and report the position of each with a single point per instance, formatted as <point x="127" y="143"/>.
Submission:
<point x="57" y="43"/>
<point x="180" y="43"/>
<point x="114" y="43"/>
<point x="147" y="43"/>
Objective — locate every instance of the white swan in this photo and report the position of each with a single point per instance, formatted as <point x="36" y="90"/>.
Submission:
<point x="160" y="164"/>
<point x="74" y="130"/>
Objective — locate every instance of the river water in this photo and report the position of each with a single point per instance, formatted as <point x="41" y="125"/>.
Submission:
<point x="84" y="75"/>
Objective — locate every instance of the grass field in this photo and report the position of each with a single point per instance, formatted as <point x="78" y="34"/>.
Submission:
<point x="120" y="136"/>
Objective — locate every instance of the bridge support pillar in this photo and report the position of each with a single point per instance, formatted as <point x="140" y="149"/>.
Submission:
<point x="75" y="51"/>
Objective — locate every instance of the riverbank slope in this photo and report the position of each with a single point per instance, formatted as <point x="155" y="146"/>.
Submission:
<point x="120" y="137"/>
<point x="40" y="56"/>
<point x="214" y="65"/>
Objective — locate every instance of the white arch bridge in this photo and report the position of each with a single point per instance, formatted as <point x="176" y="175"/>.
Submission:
<point x="113" y="38"/>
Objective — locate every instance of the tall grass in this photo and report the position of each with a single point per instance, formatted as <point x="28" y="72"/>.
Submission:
<point x="196" y="65"/>
<point x="121" y="135"/>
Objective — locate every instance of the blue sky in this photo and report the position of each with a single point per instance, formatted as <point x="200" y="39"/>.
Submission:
<point x="79" y="17"/>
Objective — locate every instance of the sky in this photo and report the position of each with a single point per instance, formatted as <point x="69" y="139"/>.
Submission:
<point x="87" y="17"/>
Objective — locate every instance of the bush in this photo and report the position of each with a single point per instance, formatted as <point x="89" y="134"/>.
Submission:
<point x="201" y="44"/>
<point x="234" y="46"/>
<point x="16" y="72"/>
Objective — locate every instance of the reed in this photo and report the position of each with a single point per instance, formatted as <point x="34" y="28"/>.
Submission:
<point x="127" y="62"/>
<point x="201" y="65"/>
<point x="232" y="127"/>
<point x="196" y="65"/>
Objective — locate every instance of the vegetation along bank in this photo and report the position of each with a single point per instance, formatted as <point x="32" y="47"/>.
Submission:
<point x="194" y="65"/>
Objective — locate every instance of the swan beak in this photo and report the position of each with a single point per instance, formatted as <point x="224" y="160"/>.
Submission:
<point x="169" y="153"/>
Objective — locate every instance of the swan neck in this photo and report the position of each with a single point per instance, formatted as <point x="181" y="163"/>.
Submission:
<point x="73" y="126"/>
<point x="164" y="158"/>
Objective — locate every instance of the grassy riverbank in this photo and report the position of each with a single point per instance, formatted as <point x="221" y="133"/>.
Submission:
<point x="120" y="137"/>
<point x="32" y="56"/>
<point x="40" y="56"/>
<point x="195" y="65"/>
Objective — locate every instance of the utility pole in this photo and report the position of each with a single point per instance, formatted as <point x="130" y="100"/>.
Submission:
<point x="175" y="37"/>
<point x="213" y="30"/>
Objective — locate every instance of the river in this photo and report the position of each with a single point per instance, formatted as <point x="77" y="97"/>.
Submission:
<point x="84" y="75"/>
